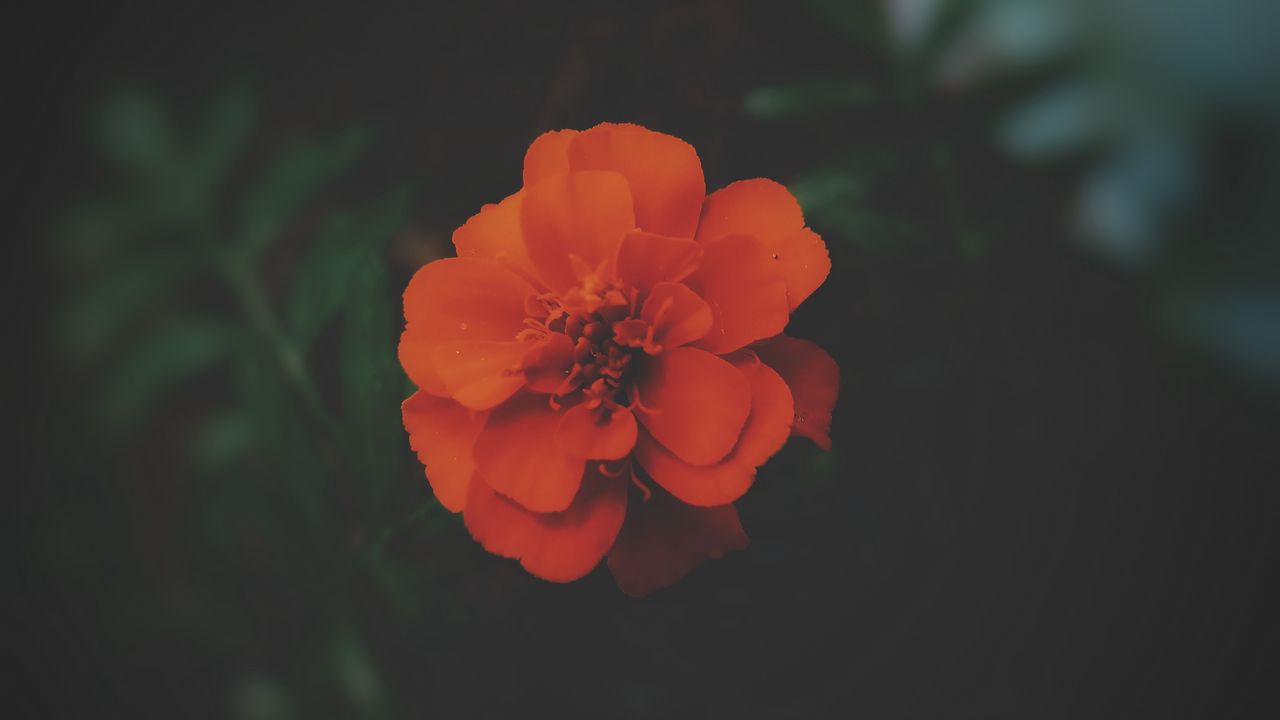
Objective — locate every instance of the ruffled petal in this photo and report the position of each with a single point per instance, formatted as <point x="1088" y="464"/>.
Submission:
<point x="765" y="433"/>
<point x="457" y="299"/>
<point x="547" y="156"/>
<point x="664" y="173"/>
<point x="694" y="403"/>
<point x="814" y="379"/>
<point x="743" y="285"/>
<point x="768" y="211"/>
<point x="443" y="433"/>
<point x="494" y="234"/>
<point x="481" y="374"/>
<point x="549" y="363"/>
<point x="582" y="433"/>
<point x="560" y="546"/>
<point x="580" y="215"/>
<point x="664" y="539"/>
<point x="677" y="314"/>
<point x="646" y="259"/>
<point x="518" y="456"/>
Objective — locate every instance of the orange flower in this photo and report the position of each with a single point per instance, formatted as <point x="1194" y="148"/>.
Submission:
<point x="601" y="369"/>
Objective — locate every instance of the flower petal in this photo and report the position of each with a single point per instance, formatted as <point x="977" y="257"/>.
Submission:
<point x="494" y="234"/>
<point x="743" y="285"/>
<point x="580" y="214"/>
<point x="766" y="431"/>
<point x="547" y="156"/>
<point x="581" y="433"/>
<point x="664" y="173"/>
<point x="443" y="432"/>
<point x="457" y="299"/>
<point x="549" y="363"/>
<point x="814" y="379"/>
<point x="768" y="211"/>
<point x="518" y="456"/>
<point x="560" y="546"/>
<point x="677" y="314"/>
<point x="663" y="540"/>
<point x="694" y="403"/>
<point x="645" y="259"/>
<point x="481" y="374"/>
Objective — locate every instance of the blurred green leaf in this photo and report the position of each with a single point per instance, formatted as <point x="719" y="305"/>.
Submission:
<point x="221" y="137"/>
<point x="225" y="439"/>
<point x="358" y="678"/>
<point x="808" y="97"/>
<point x="1060" y="120"/>
<point x="173" y="353"/>
<point x="88" y="233"/>
<point x="97" y="313"/>
<point x="862" y="21"/>
<point x="372" y="381"/>
<point x="290" y="179"/>
<point x="298" y="462"/>
<point x="1238" y="322"/>
<point x="323" y="279"/>
<point x="137" y="135"/>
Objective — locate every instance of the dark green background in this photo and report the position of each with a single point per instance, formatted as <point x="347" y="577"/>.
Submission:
<point x="1041" y="502"/>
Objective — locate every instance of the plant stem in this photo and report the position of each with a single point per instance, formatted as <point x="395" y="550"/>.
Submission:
<point x="244" y="284"/>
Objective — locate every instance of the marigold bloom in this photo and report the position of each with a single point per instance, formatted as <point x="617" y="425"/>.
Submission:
<point x="602" y="368"/>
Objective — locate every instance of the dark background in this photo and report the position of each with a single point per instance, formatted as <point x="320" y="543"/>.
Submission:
<point x="1040" y="504"/>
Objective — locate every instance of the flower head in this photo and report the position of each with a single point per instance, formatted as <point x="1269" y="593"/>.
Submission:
<point x="602" y="368"/>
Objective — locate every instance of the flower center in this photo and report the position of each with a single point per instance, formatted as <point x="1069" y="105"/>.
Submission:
<point x="605" y="339"/>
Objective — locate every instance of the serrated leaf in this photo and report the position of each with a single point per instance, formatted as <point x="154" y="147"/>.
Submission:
<point x="807" y="98"/>
<point x="137" y="135"/>
<point x="173" y="353"/>
<point x="323" y="279"/>
<point x="290" y="179"/>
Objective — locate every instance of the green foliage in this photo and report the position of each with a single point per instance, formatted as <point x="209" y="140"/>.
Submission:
<point x="173" y="353"/>
<point x="808" y="97"/>
<point x="171" y="297"/>
<point x="327" y="275"/>
<point x="289" y="180"/>
<point x="371" y="382"/>
<point x="1145" y="97"/>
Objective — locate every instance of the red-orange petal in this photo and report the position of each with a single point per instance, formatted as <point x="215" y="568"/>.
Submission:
<point x="442" y="433"/>
<point x="547" y="155"/>
<point x="814" y="379"/>
<point x="664" y="173"/>
<point x="457" y="299"/>
<point x="518" y="456"/>
<point x="579" y="214"/>
<point x="766" y="432"/>
<point x="560" y="546"/>
<point x="549" y="363"/>
<point x="677" y="314"/>
<point x="768" y="211"/>
<point x="494" y="234"/>
<point x="694" y="403"/>
<point x="664" y="539"/>
<point x="586" y="433"/>
<point x="744" y="287"/>
<point x="646" y="259"/>
<point x="481" y="374"/>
